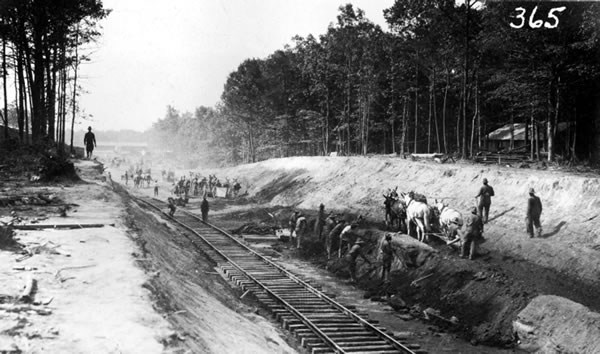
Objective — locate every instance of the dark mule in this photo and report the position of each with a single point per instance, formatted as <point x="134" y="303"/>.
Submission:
<point x="395" y="213"/>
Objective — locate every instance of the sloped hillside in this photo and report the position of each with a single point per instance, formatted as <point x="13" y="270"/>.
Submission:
<point x="570" y="243"/>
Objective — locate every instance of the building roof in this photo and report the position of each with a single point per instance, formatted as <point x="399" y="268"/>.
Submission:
<point x="503" y="133"/>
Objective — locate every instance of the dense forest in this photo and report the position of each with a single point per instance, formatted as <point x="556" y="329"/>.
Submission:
<point x="439" y="78"/>
<point x="41" y="41"/>
<point x="442" y="76"/>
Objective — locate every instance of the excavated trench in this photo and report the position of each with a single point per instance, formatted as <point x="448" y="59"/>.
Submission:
<point x="479" y="295"/>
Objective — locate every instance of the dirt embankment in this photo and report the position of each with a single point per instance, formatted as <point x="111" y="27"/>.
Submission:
<point x="570" y="241"/>
<point x="487" y="294"/>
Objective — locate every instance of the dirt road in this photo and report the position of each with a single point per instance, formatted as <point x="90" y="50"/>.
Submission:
<point x="130" y="286"/>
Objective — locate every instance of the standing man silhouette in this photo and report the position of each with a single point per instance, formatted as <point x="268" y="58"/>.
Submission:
<point x="204" y="209"/>
<point x="89" y="140"/>
<point x="486" y="192"/>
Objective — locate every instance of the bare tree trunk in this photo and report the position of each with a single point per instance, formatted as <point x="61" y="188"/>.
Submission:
<point x="21" y="88"/>
<point x="59" y="95"/>
<point x="327" y="118"/>
<point x="416" y="102"/>
<point x="252" y="146"/>
<point x="404" y="128"/>
<point x="17" y="104"/>
<point x="348" y="92"/>
<point x="367" y="132"/>
<point x="458" y="120"/>
<point x="549" y="121"/>
<point x="50" y="65"/>
<point x="429" y="117"/>
<point x="76" y="71"/>
<point x="512" y="130"/>
<point x="437" y="130"/>
<point x="393" y="107"/>
<point x="444" y="108"/>
<point x="393" y="134"/>
<point x="26" y="111"/>
<point x="552" y="123"/>
<point x="465" y="79"/>
<point x="473" y="121"/>
<point x="537" y="142"/>
<point x="5" y="89"/>
<point x="573" y="153"/>
<point x="63" y="126"/>
<point x="531" y="137"/>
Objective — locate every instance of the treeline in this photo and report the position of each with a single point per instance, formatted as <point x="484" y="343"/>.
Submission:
<point x="439" y="80"/>
<point x="41" y="42"/>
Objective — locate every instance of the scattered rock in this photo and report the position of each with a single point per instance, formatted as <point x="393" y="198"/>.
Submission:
<point x="480" y="276"/>
<point x="6" y="234"/>
<point x="8" y="346"/>
<point x="396" y="302"/>
<point x="405" y="317"/>
<point x="431" y="311"/>
<point x="403" y="335"/>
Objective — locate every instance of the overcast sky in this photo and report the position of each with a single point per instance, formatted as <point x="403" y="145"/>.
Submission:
<point x="158" y="53"/>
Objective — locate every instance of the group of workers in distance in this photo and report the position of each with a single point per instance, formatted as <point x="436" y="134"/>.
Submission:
<point x="330" y="228"/>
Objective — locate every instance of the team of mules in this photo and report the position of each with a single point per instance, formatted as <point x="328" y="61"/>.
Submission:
<point x="410" y="213"/>
<point x="395" y="210"/>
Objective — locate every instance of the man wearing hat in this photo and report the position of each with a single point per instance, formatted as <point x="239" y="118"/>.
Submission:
<point x="293" y="219"/>
<point x="346" y="237"/>
<point x="320" y="223"/>
<point x="89" y="140"/>
<point x="300" y="229"/>
<point x="486" y="192"/>
<point x="387" y="256"/>
<point x="333" y="236"/>
<point x="353" y="254"/>
<point x="204" y="207"/>
<point x="471" y="234"/>
<point x="534" y="211"/>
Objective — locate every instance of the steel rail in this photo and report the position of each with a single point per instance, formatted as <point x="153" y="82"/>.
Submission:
<point x="382" y="335"/>
<point x="330" y="342"/>
<point x="309" y="287"/>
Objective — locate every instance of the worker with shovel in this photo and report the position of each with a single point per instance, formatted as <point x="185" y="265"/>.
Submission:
<point x="387" y="256"/>
<point x="172" y="207"/>
<point x="471" y="234"/>
<point x="353" y="254"/>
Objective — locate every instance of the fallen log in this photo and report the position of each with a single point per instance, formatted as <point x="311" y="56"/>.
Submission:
<point x="58" y="226"/>
<point x="27" y="293"/>
<point x="415" y="282"/>
<point x="427" y="156"/>
<point x="25" y="308"/>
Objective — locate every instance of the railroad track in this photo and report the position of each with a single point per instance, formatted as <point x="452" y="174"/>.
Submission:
<point x="321" y="324"/>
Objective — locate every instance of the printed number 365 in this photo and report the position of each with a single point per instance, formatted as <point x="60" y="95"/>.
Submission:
<point x="552" y="23"/>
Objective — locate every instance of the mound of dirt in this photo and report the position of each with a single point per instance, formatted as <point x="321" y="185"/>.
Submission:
<point x="551" y="324"/>
<point x="56" y="168"/>
<point x="255" y="229"/>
